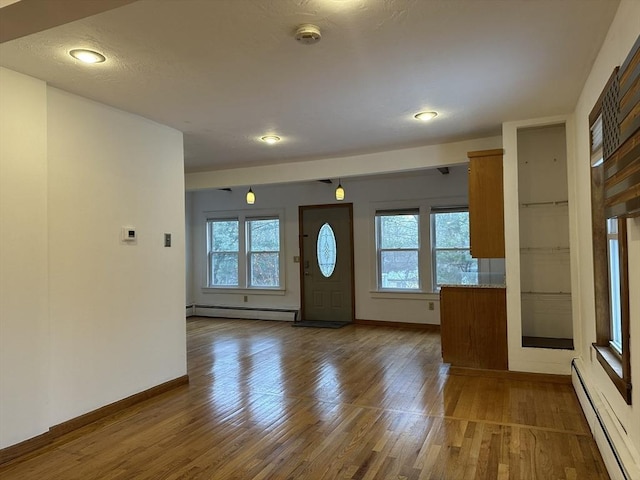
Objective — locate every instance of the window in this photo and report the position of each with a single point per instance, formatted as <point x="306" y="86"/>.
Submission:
<point x="326" y="250"/>
<point x="223" y="252"/>
<point x="452" y="261"/>
<point x="398" y="249"/>
<point x="263" y="251"/>
<point x="612" y="201"/>
<point x="244" y="252"/>
<point x="613" y="257"/>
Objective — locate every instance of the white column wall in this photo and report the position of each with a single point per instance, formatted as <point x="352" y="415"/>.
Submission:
<point x="84" y="320"/>
<point x="24" y="325"/>
<point x="117" y="310"/>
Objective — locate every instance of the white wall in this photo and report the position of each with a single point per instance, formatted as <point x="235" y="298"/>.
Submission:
<point x="24" y="325"/>
<point x="118" y="308"/>
<point x="417" y="189"/>
<point x="92" y="321"/>
<point x="622" y="34"/>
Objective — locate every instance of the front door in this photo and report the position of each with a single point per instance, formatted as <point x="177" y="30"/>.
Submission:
<point x="326" y="262"/>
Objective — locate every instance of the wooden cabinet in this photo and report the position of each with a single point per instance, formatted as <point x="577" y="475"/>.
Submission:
<point x="473" y="327"/>
<point x="486" y="204"/>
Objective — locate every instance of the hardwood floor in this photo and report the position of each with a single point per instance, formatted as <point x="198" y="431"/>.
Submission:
<point x="267" y="401"/>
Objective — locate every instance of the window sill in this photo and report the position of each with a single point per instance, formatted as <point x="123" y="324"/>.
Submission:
<point x="612" y="364"/>
<point x="405" y="294"/>
<point x="244" y="291"/>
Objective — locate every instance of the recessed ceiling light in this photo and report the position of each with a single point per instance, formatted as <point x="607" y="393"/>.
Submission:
<point x="87" y="56"/>
<point x="270" y="139"/>
<point x="425" y="116"/>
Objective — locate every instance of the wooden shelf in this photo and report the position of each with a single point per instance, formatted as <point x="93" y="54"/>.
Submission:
<point x="547" y="293"/>
<point x="545" y="342"/>
<point x="545" y="250"/>
<point x="555" y="203"/>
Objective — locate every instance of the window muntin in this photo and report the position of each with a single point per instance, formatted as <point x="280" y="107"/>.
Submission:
<point x="263" y="252"/>
<point x="398" y="249"/>
<point x="452" y="261"/>
<point x="244" y="252"/>
<point x="223" y="252"/>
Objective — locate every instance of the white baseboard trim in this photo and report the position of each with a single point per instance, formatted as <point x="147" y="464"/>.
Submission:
<point x="617" y="455"/>
<point x="249" y="313"/>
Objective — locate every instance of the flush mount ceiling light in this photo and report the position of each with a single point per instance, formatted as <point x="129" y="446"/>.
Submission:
<point x="270" y="139"/>
<point x="87" y="56"/>
<point x="425" y="116"/>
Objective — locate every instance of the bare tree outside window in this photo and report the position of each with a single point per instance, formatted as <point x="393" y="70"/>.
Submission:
<point x="263" y="252"/>
<point x="258" y="266"/>
<point x="452" y="260"/>
<point x="398" y="243"/>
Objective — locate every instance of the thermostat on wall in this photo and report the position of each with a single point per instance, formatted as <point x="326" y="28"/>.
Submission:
<point x="129" y="234"/>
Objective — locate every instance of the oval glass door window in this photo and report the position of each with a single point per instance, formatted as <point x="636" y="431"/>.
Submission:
<point x="326" y="250"/>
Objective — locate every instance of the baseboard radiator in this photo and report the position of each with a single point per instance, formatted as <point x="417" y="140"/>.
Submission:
<point x="617" y="456"/>
<point x="249" y="313"/>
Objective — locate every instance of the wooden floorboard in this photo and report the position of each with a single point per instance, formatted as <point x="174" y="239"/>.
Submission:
<point x="267" y="401"/>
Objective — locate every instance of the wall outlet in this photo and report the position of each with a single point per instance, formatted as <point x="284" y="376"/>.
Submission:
<point x="246" y="298"/>
<point x="432" y="306"/>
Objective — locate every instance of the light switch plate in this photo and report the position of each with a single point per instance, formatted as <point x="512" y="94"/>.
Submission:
<point x="129" y="235"/>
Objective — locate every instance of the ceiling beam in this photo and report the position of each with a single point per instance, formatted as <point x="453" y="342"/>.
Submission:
<point x="27" y="17"/>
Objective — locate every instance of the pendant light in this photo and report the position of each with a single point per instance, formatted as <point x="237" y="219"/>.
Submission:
<point x="339" y="191"/>
<point x="251" y="197"/>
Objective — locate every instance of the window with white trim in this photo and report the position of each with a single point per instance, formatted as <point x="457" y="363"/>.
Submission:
<point x="244" y="252"/>
<point x="452" y="263"/>
<point x="263" y="252"/>
<point x="613" y="259"/>
<point x="223" y="252"/>
<point x="398" y="249"/>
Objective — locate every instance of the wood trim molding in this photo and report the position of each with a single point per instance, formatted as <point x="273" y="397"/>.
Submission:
<point x="600" y="258"/>
<point x="510" y="375"/>
<point x="486" y="153"/>
<point x="625" y="312"/>
<point x="23" y="448"/>
<point x="613" y="367"/>
<point x="404" y="325"/>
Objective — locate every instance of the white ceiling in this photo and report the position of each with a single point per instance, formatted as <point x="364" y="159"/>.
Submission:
<point x="226" y="72"/>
